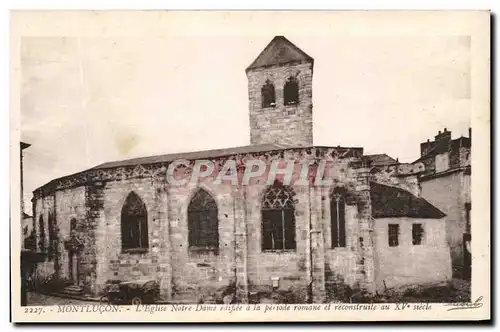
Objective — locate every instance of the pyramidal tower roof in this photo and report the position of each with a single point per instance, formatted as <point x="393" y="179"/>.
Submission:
<point x="278" y="52"/>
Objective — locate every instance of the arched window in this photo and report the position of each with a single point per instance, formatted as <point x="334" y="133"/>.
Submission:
<point x="337" y="215"/>
<point x="42" y="241"/>
<point x="268" y="95"/>
<point x="278" y="218"/>
<point x="291" y="91"/>
<point x="134" y="223"/>
<point x="203" y="222"/>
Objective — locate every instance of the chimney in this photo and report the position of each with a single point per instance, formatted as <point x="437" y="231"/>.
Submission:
<point x="445" y="135"/>
<point x="425" y="147"/>
<point x="470" y="133"/>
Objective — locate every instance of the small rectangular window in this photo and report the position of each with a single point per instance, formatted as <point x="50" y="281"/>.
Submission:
<point x="417" y="232"/>
<point x="393" y="235"/>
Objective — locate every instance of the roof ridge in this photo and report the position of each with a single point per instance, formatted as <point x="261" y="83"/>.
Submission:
<point x="275" y="40"/>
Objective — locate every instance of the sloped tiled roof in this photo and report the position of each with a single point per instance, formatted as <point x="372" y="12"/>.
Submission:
<point x="206" y="154"/>
<point x="393" y="202"/>
<point x="279" y="51"/>
<point x="381" y="159"/>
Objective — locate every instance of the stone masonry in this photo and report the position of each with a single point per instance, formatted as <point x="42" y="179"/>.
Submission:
<point x="279" y="123"/>
<point x="240" y="258"/>
<point x="287" y="124"/>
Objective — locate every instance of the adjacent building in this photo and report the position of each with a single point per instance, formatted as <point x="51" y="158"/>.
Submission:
<point x="446" y="183"/>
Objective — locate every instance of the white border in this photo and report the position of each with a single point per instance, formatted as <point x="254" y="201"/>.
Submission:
<point x="186" y="4"/>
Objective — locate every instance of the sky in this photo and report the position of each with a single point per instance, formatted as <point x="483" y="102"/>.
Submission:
<point x="87" y="100"/>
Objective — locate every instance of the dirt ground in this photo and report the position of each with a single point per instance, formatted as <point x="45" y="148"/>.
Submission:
<point x="36" y="299"/>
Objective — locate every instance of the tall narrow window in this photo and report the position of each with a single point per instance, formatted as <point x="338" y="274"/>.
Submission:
<point x="417" y="232"/>
<point x="134" y="223"/>
<point x="268" y="95"/>
<point x="42" y="241"/>
<point x="337" y="217"/>
<point x="203" y="222"/>
<point x="278" y="218"/>
<point x="393" y="235"/>
<point x="291" y="91"/>
<point x="72" y="226"/>
<point x="467" y="217"/>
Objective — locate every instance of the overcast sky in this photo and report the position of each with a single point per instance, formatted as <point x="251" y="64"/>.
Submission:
<point x="89" y="100"/>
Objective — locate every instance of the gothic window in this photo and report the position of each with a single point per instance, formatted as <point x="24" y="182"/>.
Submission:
<point x="291" y="91"/>
<point x="268" y="95"/>
<point x="337" y="218"/>
<point x="393" y="235"/>
<point x="41" y="226"/>
<point x="278" y="218"/>
<point x="203" y="222"/>
<point x="417" y="232"/>
<point x="134" y="223"/>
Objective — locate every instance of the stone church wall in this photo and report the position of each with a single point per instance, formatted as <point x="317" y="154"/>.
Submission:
<point x="342" y="263"/>
<point x="289" y="266"/>
<point x="41" y="208"/>
<point x="203" y="270"/>
<point x="113" y="263"/>
<point x="70" y="204"/>
<point x="97" y="207"/>
<point x="284" y="124"/>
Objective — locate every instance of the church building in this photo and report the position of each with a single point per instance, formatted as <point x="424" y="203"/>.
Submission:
<point x="124" y="220"/>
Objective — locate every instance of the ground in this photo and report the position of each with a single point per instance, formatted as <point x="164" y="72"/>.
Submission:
<point x="36" y="299"/>
<point x="454" y="291"/>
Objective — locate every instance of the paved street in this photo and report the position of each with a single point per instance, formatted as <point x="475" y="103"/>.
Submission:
<point x="40" y="299"/>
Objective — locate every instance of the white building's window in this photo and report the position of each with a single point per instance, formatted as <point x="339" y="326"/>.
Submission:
<point x="393" y="235"/>
<point x="442" y="162"/>
<point x="417" y="232"/>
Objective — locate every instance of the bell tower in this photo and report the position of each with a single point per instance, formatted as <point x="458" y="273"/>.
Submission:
<point x="280" y="95"/>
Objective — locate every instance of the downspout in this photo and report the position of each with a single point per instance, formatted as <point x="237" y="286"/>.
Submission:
<point x="245" y="252"/>
<point x="235" y="269"/>
<point x="240" y="239"/>
<point x="55" y="232"/>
